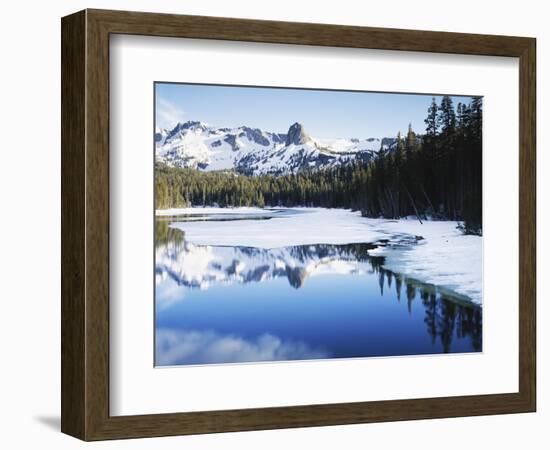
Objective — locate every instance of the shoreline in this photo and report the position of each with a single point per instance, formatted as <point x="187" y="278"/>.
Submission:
<point x="443" y="257"/>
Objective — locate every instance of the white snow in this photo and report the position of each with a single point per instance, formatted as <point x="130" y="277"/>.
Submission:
<point x="197" y="211"/>
<point x="444" y="256"/>
<point x="341" y="145"/>
<point x="305" y="226"/>
<point x="198" y="145"/>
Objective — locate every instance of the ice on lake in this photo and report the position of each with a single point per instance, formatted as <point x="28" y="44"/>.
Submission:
<point x="251" y="284"/>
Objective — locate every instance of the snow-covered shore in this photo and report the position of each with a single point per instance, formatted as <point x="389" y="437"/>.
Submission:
<point x="444" y="256"/>
<point x="195" y="211"/>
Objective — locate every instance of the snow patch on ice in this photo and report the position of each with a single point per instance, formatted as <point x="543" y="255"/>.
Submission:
<point x="434" y="252"/>
<point x="287" y="227"/>
<point x="196" y="211"/>
<point x="444" y="256"/>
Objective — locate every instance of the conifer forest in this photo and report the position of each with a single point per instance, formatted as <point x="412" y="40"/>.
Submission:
<point x="434" y="173"/>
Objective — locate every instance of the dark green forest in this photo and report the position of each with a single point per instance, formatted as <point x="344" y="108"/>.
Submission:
<point x="434" y="175"/>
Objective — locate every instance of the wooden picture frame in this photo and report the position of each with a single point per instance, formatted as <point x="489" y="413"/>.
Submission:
<point x="85" y="224"/>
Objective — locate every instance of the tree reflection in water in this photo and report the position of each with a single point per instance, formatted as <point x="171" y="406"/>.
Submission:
<point x="446" y="314"/>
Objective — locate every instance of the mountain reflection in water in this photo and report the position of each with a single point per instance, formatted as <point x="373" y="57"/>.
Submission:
<point x="335" y="305"/>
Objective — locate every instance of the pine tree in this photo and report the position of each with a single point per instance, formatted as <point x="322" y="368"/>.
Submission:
<point x="436" y="174"/>
<point x="446" y="118"/>
<point x="476" y="116"/>
<point x="410" y="141"/>
<point x="431" y="120"/>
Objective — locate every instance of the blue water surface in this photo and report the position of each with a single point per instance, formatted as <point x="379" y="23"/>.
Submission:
<point x="253" y="305"/>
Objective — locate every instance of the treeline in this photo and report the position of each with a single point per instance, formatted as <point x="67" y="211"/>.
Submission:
<point x="437" y="175"/>
<point x="185" y="187"/>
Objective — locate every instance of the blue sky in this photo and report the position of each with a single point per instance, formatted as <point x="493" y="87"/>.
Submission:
<point x="324" y="114"/>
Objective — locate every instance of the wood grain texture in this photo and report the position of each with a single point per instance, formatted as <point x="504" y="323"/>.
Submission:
<point x="201" y="27"/>
<point x="527" y="224"/>
<point x="73" y="109"/>
<point x="85" y="224"/>
<point x="97" y="225"/>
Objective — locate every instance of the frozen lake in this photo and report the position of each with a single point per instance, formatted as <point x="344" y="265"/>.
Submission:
<point x="249" y="284"/>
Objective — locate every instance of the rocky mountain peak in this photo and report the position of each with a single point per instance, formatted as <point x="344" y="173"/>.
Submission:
<point x="297" y="135"/>
<point x="184" y="127"/>
<point x="255" y="151"/>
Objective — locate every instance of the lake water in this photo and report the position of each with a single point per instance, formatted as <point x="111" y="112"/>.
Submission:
<point x="229" y="304"/>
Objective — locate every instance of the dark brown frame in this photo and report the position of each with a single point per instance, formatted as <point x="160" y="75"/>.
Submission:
<point x="85" y="224"/>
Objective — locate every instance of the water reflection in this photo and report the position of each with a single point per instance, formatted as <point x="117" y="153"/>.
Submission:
<point x="198" y="266"/>
<point x="176" y="347"/>
<point x="218" y="326"/>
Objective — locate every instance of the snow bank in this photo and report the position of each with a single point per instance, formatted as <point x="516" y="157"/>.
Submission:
<point x="195" y="211"/>
<point x="444" y="256"/>
<point x="287" y="227"/>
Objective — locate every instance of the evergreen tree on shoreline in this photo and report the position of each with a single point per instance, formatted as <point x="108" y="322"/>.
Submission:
<point x="435" y="175"/>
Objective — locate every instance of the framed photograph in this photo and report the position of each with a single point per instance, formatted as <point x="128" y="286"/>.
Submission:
<point x="271" y="224"/>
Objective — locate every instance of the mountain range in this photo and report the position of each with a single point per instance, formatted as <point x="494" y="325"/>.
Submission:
<point x="253" y="151"/>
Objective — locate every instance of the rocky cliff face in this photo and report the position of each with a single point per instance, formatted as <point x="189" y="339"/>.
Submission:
<point x="297" y="135"/>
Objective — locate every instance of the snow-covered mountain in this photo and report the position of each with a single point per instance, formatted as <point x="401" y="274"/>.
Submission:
<point x="253" y="151"/>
